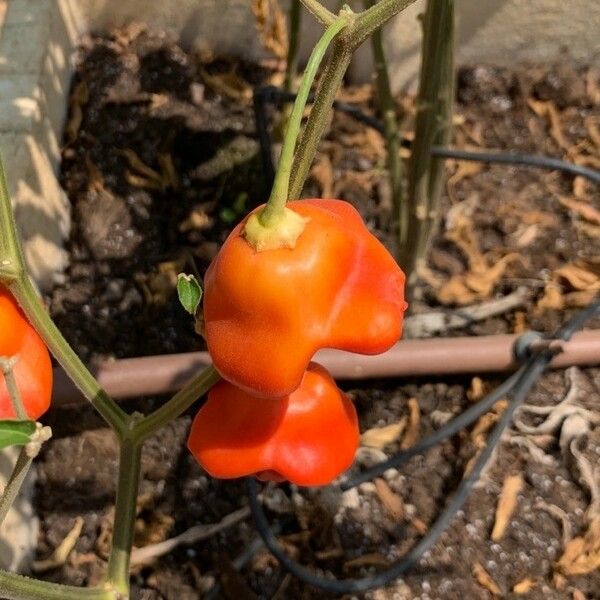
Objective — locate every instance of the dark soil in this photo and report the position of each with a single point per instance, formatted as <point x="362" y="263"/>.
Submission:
<point x="141" y="218"/>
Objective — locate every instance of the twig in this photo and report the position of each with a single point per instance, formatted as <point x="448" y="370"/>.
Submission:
<point x="322" y="14"/>
<point x="424" y="325"/>
<point x="191" y="536"/>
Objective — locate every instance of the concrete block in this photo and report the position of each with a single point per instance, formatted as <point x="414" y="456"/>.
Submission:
<point x="41" y="206"/>
<point x="20" y="528"/>
<point x="23" y="46"/>
<point x="20" y="98"/>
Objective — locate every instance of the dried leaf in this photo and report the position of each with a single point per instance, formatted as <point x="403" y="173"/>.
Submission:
<point x="582" y="208"/>
<point x="486" y="422"/>
<point x="582" y="554"/>
<point x="525" y="236"/>
<point x="464" y="169"/>
<point x="271" y="24"/>
<point x="524" y="586"/>
<point x="230" y="84"/>
<point x="77" y="101"/>
<point x="379" y="437"/>
<point x="477" y="390"/>
<point x="140" y="167"/>
<point x="414" y="423"/>
<point x="578" y="595"/>
<point x="367" y="560"/>
<point x="485" y="580"/>
<point x="62" y="551"/>
<point x="548" y="110"/>
<point x="507" y="503"/>
<point x="392" y="502"/>
<point x="322" y="173"/>
<point x="579" y="276"/>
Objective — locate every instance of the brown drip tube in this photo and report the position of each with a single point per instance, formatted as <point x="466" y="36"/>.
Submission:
<point x="135" y="377"/>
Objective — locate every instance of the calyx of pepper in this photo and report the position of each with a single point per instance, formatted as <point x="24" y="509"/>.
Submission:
<point x="266" y="231"/>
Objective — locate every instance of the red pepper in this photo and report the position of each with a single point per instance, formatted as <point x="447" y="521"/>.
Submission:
<point x="308" y="437"/>
<point x="267" y="312"/>
<point x="33" y="370"/>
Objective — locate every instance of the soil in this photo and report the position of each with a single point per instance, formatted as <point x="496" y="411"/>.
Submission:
<point x="160" y="160"/>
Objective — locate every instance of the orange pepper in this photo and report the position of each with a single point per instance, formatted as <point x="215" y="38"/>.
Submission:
<point x="267" y="312"/>
<point x="308" y="437"/>
<point x="33" y="370"/>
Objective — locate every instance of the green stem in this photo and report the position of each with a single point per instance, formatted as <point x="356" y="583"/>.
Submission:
<point x="125" y="513"/>
<point x="17" y="587"/>
<point x="177" y="405"/>
<point x="392" y="138"/>
<point x="351" y="38"/>
<point x="433" y="126"/>
<point x="15" y="482"/>
<point x="7" y="364"/>
<point x="13" y="274"/>
<point x="279" y="194"/>
<point x="11" y="263"/>
<point x="113" y="414"/>
<point x="322" y="14"/>
<point x="294" y="43"/>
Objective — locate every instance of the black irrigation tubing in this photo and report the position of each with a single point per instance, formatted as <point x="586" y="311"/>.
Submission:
<point x="273" y="95"/>
<point x="517" y="386"/>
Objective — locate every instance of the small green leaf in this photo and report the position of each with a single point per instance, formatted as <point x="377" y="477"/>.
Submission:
<point x="16" y="433"/>
<point x="239" y="206"/>
<point x="189" y="292"/>
<point x="228" y="215"/>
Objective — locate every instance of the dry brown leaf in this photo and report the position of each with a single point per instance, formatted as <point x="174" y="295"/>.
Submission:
<point x="77" y="101"/>
<point x="140" y="167"/>
<point x="507" y="503"/>
<point x="552" y="298"/>
<point x="477" y="390"/>
<point x="548" y="110"/>
<point x="485" y="580"/>
<point x="592" y="85"/>
<point x="464" y="169"/>
<point x="582" y="554"/>
<point x="419" y="525"/>
<point x="230" y="84"/>
<point x="486" y="422"/>
<point x="197" y="220"/>
<point x="271" y="24"/>
<point x="592" y="231"/>
<point x="524" y="586"/>
<point x="414" y="423"/>
<point x="379" y="437"/>
<point x="521" y="325"/>
<point x="367" y="560"/>
<point x="578" y="595"/>
<point x="62" y="551"/>
<point x="582" y="208"/>
<point x="483" y="282"/>
<point x="142" y="182"/>
<point x="579" y="276"/>
<point x="322" y="173"/>
<point x="538" y="217"/>
<point x="392" y="502"/>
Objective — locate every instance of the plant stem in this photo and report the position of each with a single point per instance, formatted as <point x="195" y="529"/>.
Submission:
<point x="279" y="193"/>
<point x="433" y="126"/>
<point x="125" y="514"/>
<point x="11" y="263"/>
<point x="15" y="482"/>
<point x="373" y="18"/>
<point x="353" y="36"/>
<point x="17" y="587"/>
<point x="24" y="292"/>
<point x="7" y="364"/>
<point x="291" y="68"/>
<point x="322" y="14"/>
<point x="178" y="404"/>
<point x="392" y="138"/>
<point x="13" y="274"/>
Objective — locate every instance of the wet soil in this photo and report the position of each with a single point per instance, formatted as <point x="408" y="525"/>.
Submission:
<point x="160" y="160"/>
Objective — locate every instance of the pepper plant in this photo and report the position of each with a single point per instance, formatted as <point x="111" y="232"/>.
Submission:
<point x="291" y="278"/>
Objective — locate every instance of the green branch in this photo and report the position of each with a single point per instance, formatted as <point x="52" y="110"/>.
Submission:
<point x="322" y="14"/>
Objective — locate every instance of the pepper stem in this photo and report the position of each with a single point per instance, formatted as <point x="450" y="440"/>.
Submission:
<point x="262" y="228"/>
